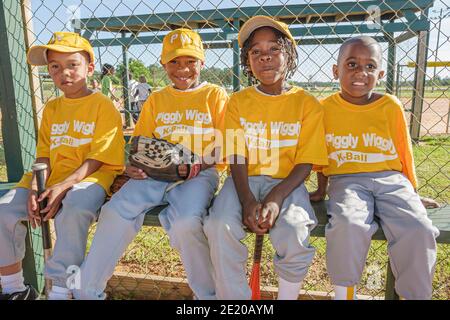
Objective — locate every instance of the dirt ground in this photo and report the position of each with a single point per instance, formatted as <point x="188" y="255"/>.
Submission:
<point x="435" y="115"/>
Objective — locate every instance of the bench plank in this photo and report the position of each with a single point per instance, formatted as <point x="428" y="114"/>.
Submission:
<point x="439" y="216"/>
<point x="5" y="187"/>
<point x="441" y="219"/>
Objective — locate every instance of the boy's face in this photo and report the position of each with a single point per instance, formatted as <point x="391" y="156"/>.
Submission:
<point x="266" y="58"/>
<point x="184" y="71"/>
<point x="358" y="70"/>
<point x="69" y="71"/>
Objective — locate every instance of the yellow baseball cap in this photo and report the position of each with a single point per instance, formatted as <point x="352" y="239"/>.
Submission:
<point x="257" y="22"/>
<point x="65" y="42"/>
<point x="182" y="42"/>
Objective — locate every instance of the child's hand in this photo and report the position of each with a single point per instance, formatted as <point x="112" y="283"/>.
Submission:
<point x="55" y="195"/>
<point x="271" y="207"/>
<point x="33" y="209"/>
<point x="250" y="211"/>
<point x="135" y="173"/>
<point x="429" y="203"/>
<point x="317" y="195"/>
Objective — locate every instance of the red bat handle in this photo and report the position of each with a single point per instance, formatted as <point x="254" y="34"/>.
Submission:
<point x="254" y="277"/>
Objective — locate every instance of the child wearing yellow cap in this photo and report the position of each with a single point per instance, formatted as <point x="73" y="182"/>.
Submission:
<point x="81" y="141"/>
<point x="274" y="136"/>
<point x="189" y="112"/>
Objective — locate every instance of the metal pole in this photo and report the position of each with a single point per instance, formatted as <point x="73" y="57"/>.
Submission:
<point x="100" y="58"/>
<point x="17" y="109"/>
<point x="236" y="60"/>
<point x="419" y="84"/>
<point x="391" y="63"/>
<point x="448" y="118"/>
<point x="390" y="293"/>
<point x="126" y="100"/>
<point x="400" y="75"/>
<point x="397" y="80"/>
<point x="37" y="97"/>
<point x="436" y="51"/>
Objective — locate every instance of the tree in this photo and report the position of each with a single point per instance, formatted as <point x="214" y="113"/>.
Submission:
<point x="158" y="76"/>
<point x="221" y="77"/>
<point x="135" y="67"/>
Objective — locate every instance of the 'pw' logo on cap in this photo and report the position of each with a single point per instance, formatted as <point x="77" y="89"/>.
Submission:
<point x="182" y="42"/>
<point x="184" y="38"/>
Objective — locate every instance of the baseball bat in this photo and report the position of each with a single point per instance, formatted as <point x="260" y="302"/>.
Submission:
<point x="39" y="170"/>
<point x="254" y="276"/>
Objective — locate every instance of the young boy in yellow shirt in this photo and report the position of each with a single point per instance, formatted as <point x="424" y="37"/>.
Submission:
<point x="188" y="112"/>
<point x="274" y="136"/>
<point x="371" y="173"/>
<point x="80" y="139"/>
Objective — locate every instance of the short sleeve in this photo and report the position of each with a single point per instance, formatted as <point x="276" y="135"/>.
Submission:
<point x="234" y="133"/>
<point x="404" y="148"/>
<point x="311" y="147"/>
<point x="108" y="143"/>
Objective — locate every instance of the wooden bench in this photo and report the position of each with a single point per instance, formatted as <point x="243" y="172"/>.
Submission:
<point x="439" y="216"/>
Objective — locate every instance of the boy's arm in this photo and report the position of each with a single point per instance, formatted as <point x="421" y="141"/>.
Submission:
<point x="322" y="184"/>
<point x="250" y="207"/>
<point x="311" y="149"/>
<point x="218" y="119"/>
<point x="273" y="202"/>
<point x="57" y="192"/>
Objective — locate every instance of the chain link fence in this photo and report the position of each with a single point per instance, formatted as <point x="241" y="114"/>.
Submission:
<point x="128" y="34"/>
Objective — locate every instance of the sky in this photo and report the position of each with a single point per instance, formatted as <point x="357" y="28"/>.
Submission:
<point x="315" y="62"/>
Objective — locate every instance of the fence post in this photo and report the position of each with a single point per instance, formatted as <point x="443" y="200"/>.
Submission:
<point x="391" y="63"/>
<point x="236" y="59"/>
<point x="126" y="100"/>
<point x="18" y="124"/>
<point x="390" y="293"/>
<point x="15" y="101"/>
<point x="419" y="84"/>
<point x="397" y="80"/>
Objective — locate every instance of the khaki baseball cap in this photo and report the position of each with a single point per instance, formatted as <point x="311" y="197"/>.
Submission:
<point x="182" y="42"/>
<point x="257" y="22"/>
<point x="65" y="42"/>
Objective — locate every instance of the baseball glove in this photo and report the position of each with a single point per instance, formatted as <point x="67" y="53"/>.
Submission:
<point x="162" y="160"/>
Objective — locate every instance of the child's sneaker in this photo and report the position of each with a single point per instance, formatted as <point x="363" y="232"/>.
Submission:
<point x="29" y="293"/>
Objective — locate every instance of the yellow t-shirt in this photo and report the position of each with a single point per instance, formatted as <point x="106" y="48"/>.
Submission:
<point x="275" y="133"/>
<point x="367" y="138"/>
<point x="194" y="118"/>
<point x="74" y="130"/>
